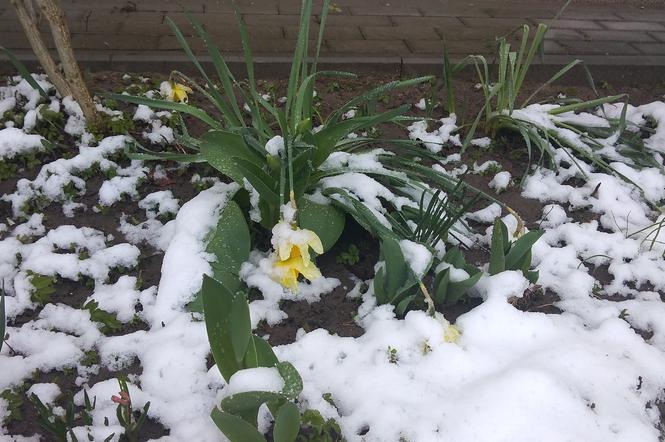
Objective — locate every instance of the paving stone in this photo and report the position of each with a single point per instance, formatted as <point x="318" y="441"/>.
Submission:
<point x="566" y="34"/>
<point x="598" y="47"/>
<point x="642" y="14"/>
<point x="399" y="32"/>
<point x="271" y="20"/>
<point x="383" y="7"/>
<point x="660" y="36"/>
<point x="626" y="36"/>
<point x="507" y="23"/>
<point x="633" y="25"/>
<point x="113" y="42"/>
<point x="569" y="24"/>
<point x="358" y="20"/>
<point x="330" y="33"/>
<point x="244" y="6"/>
<point x="207" y="19"/>
<point x="651" y="48"/>
<point x="589" y="13"/>
<point x="429" y="22"/>
<point x="364" y="47"/>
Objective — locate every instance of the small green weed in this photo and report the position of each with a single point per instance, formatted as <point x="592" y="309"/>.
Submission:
<point x="109" y="322"/>
<point x="350" y="257"/>
<point x="42" y="287"/>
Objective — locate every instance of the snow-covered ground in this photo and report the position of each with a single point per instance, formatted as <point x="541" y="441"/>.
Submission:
<point x="583" y="375"/>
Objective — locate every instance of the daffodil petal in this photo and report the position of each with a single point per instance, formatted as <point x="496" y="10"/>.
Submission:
<point x="284" y="251"/>
<point x="311" y="272"/>
<point x="315" y="242"/>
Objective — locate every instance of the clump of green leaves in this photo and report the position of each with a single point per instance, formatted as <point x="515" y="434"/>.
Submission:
<point x="314" y="428"/>
<point x="502" y="112"/>
<point x="7" y="170"/>
<point x="61" y="427"/>
<point x="89" y="358"/>
<point x="512" y="255"/>
<point x="131" y="423"/>
<point x="14" y="401"/>
<point x="42" y="287"/>
<point x="234" y="347"/>
<point x="110" y="125"/>
<point x="50" y="125"/>
<point x="449" y="287"/>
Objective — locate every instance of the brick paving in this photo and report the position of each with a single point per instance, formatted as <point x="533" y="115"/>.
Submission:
<point x="360" y="31"/>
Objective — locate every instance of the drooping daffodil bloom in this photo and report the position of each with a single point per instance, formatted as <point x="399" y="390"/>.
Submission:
<point x="173" y="91"/>
<point x="288" y="270"/>
<point x="292" y="256"/>
<point x="451" y="333"/>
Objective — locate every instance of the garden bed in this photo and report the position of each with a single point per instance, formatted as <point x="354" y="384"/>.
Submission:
<point x="577" y="356"/>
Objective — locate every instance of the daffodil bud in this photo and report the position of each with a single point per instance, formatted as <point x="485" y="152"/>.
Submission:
<point x="304" y="125"/>
<point x="274" y="162"/>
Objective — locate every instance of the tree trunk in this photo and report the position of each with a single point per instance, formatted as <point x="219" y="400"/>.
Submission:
<point x="26" y="16"/>
<point x="56" y="19"/>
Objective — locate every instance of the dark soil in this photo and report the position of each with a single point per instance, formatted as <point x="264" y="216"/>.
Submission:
<point x="335" y="312"/>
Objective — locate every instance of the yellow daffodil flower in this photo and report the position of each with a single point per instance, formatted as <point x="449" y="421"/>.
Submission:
<point x="307" y="239"/>
<point x="179" y="92"/>
<point x="290" y="269"/>
<point x="292" y="257"/>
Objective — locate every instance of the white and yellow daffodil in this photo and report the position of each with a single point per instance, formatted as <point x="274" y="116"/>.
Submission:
<point x="287" y="271"/>
<point x="173" y="91"/>
<point x="292" y="256"/>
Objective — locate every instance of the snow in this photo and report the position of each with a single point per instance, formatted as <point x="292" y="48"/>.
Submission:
<point x="255" y="379"/>
<point x="47" y="393"/>
<point x="507" y="363"/>
<point x="435" y="140"/>
<point x="500" y="182"/>
<point x="15" y="142"/>
<point x="417" y="256"/>
<point x="275" y="146"/>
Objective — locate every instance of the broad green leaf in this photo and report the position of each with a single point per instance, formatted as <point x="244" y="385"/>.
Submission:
<point x="249" y="401"/>
<point x="404" y="304"/>
<point x="457" y="289"/>
<point x="327" y="221"/>
<point x="396" y="268"/>
<point x="230" y="244"/>
<point x="265" y="184"/>
<point x="379" y="284"/>
<point x="241" y="326"/>
<point x="292" y="380"/>
<point x="441" y="283"/>
<point x="235" y="428"/>
<point x="521" y="247"/>
<point x="221" y="148"/>
<point x="497" y="256"/>
<point x="217" y="302"/>
<point x="287" y="423"/>
<point x="259" y="354"/>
